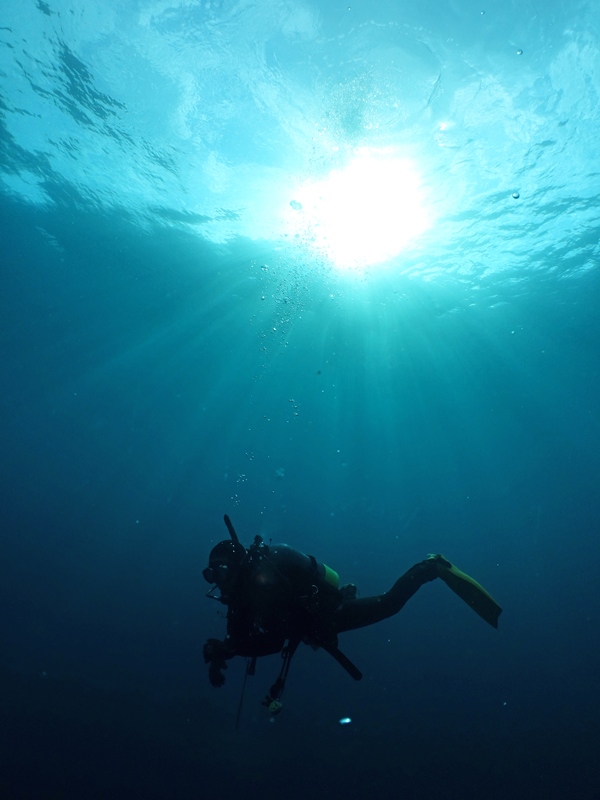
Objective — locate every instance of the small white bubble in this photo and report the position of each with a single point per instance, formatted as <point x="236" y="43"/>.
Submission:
<point x="345" y="721"/>
<point x="519" y="52"/>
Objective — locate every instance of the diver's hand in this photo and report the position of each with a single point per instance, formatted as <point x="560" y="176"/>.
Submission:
<point x="215" y="673"/>
<point x="214" y="653"/>
<point x="213" y="650"/>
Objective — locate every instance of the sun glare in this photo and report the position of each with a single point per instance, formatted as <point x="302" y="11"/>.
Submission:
<point x="364" y="214"/>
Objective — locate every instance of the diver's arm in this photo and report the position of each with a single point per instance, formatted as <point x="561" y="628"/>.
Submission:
<point x="239" y="641"/>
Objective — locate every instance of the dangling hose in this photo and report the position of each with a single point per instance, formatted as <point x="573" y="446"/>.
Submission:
<point x="250" y="668"/>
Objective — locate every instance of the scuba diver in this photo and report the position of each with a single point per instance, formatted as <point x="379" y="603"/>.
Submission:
<point x="278" y="597"/>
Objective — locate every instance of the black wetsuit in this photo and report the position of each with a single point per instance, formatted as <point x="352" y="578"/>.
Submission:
<point x="281" y="595"/>
<point x="278" y="597"/>
<point x="363" y="611"/>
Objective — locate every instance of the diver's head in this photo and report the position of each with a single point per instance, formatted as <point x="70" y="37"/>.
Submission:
<point x="224" y="562"/>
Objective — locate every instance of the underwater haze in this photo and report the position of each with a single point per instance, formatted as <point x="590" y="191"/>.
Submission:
<point x="332" y="269"/>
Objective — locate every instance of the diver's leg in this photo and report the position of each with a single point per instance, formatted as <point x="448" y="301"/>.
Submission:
<point x="368" y="610"/>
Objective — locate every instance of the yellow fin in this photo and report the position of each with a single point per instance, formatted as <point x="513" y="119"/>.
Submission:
<point x="472" y="593"/>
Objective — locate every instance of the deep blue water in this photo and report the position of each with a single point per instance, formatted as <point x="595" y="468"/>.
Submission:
<point x="176" y="345"/>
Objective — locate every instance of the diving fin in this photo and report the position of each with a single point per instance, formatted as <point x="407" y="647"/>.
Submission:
<point x="471" y="592"/>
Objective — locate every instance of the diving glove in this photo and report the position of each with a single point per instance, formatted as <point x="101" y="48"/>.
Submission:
<point x="215" y="673"/>
<point x="214" y="655"/>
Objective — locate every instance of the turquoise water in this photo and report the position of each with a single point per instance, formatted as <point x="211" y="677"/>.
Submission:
<point x="332" y="270"/>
